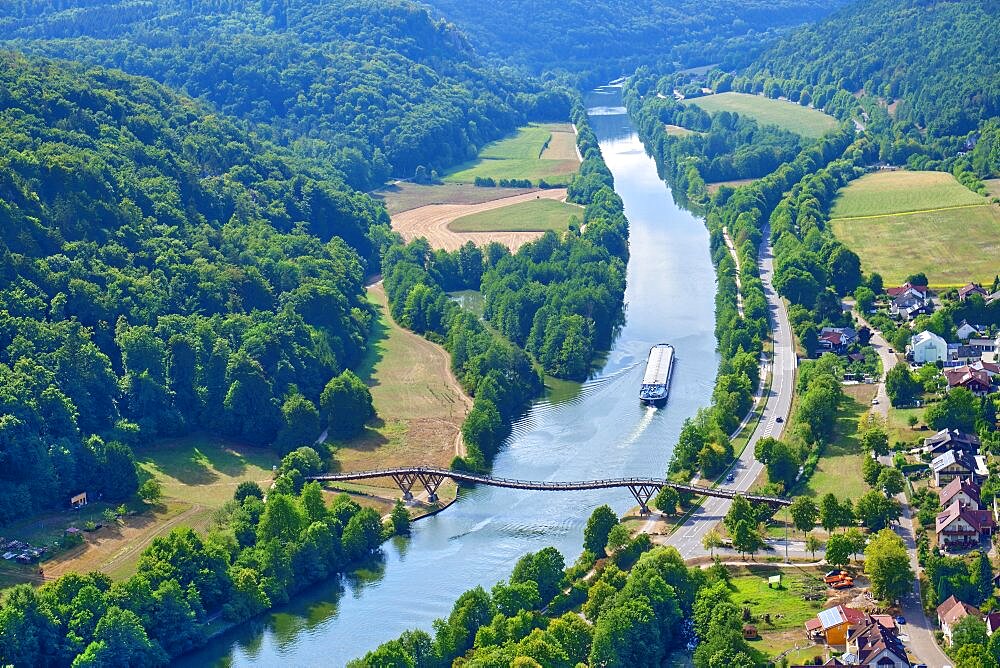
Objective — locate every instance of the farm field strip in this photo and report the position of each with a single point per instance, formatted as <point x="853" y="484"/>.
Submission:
<point x="537" y="215"/>
<point x="897" y="192"/>
<point x="537" y="151"/>
<point x="431" y="222"/>
<point x="909" y="213"/>
<point x="794" y="117"/>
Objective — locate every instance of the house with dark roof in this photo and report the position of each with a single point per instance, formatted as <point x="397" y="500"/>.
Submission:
<point x="960" y="528"/>
<point x="967" y="330"/>
<point x="959" y="354"/>
<point x="965" y="492"/>
<point x="875" y="644"/>
<point x="977" y="381"/>
<point x="958" y="464"/>
<point x="909" y="305"/>
<point x="951" y="612"/>
<point x="837" y="339"/>
<point x="952" y="439"/>
<point x="969" y="289"/>
<point x="992" y="622"/>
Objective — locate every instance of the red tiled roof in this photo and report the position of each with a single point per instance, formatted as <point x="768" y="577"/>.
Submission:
<point x="953" y="610"/>
<point x="895" y="292"/>
<point x="977" y="519"/>
<point x="949" y="491"/>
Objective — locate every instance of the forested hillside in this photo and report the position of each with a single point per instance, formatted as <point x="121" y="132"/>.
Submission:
<point x="374" y="86"/>
<point x="603" y="40"/>
<point x="163" y="271"/>
<point x="937" y="59"/>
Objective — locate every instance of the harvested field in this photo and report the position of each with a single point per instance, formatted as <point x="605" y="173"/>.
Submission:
<point x="562" y="144"/>
<point x="535" y="215"/>
<point x="788" y="115"/>
<point x="432" y="221"/>
<point x="403" y="196"/>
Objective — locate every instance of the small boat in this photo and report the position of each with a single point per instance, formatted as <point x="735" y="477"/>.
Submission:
<point x="656" y="381"/>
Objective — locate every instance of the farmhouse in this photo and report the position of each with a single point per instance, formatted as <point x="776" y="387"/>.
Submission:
<point x="958" y="464"/>
<point x="952" y="439"/>
<point x="971" y="289"/>
<point x="951" y="612"/>
<point x="963" y="492"/>
<point x="928" y="347"/>
<point x="959" y="527"/>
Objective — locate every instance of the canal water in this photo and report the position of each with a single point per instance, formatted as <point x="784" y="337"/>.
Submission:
<point x="600" y="432"/>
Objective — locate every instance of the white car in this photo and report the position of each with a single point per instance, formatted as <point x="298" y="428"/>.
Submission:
<point x="875" y="402"/>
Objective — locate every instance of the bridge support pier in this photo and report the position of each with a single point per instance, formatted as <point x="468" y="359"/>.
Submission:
<point x="642" y="494"/>
<point x="405" y="482"/>
<point x="431" y="482"/>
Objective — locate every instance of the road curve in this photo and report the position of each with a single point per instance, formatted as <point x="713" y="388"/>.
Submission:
<point x="687" y="538"/>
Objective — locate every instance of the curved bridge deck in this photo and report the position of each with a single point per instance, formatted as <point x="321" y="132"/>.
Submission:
<point x="642" y="488"/>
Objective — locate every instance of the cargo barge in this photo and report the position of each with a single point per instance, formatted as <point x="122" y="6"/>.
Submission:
<point x="656" y="380"/>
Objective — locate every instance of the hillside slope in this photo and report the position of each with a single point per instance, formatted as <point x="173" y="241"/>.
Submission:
<point x="609" y="38"/>
<point x="163" y="271"/>
<point x="937" y="59"/>
<point x="375" y="86"/>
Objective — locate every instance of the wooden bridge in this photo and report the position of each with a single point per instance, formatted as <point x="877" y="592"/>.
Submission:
<point x="643" y="489"/>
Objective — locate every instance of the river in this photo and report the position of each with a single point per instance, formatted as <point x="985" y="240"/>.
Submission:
<point x="602" y="431"/>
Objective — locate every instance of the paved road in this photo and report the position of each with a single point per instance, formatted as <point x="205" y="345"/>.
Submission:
<point x="687" y="538"/>
<point x="919" y="629"/>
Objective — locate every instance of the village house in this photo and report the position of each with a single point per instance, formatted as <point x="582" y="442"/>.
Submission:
<point x="961" y="528"/>
<point x="958" y="464"/>
<point x="984" y="344"/>
<point x="909" y="305"/>
<point x="831" y="625"/>
<point x="992" y="622"/>
<point x="951" y="612"/>
<point x="907" y="288"/>
<point x="963" y="492"/>
<point x="959" y="354"/>
<point x="966" y="331"/>
<point x="876" y="644"/>
<point x="836" y="339"/>
<point x="969" y="289"/>
<point x="952" y="439"/>
<point x="977" y="381"/>
<point x="928" y="347"/>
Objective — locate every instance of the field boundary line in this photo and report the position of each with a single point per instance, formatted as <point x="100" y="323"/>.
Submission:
<point x="911" y="213"/>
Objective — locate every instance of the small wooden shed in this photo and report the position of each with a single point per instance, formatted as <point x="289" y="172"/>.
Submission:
<point x="78" y="500"/>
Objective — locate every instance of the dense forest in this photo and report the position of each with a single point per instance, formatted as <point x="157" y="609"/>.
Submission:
<point x="598" y="41"/>
<point x="375" y="87"/>
<point x="164" y="271"/>
<point x="934" y="60"/>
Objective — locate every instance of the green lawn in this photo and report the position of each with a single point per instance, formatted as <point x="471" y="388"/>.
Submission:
<point x="786" y="606"/>
<point x="839" y="468"/>
<point x="885" y="193"/>
<point x="951" y="246"/>
<point x="521" y="157"/>
<point x="537" y="215"/>
<point x="788" y="115"/>
<point x="678" y="131"/>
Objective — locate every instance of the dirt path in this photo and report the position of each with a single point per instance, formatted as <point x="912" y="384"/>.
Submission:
<point x="98" y="555"/>
<point x="431" y="222"/>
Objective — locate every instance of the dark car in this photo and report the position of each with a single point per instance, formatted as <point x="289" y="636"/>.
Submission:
<point x="779" y="419"/>
<point x="900" y="620"/>
<point x="730" y="477"/>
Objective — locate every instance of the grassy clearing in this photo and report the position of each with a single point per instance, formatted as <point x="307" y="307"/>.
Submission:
<point x="562" y="144"/>
<point x="786" y="606"/>
<point x="839" y="469"/>
<point x="883" y="193"/>
<point x="788" y="115"/>
<point x="400" y="197"/>
<point x="899" y="426"/>
<point x="993" y="187"/>
<point x="952" y="246"/>
<point x="735" y="183"/>
<point x="678" y="131"/>
<point x="523" y="156"/>
<point x="532" y="216"/>
<point x="419" y="404"/>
